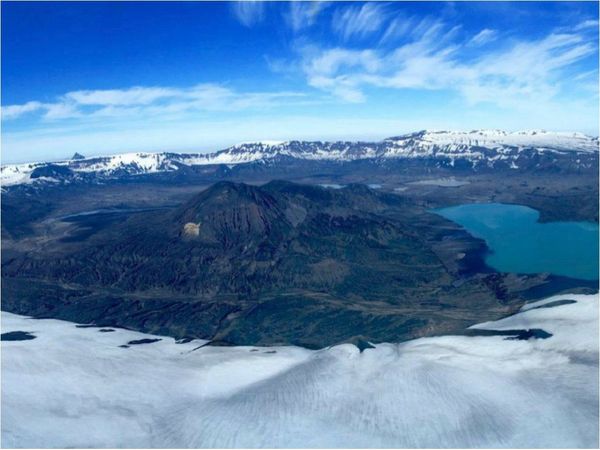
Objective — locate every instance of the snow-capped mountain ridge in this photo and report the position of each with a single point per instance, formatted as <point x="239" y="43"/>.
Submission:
<point x="540" y="139"/>
<point x="477" y="148"/>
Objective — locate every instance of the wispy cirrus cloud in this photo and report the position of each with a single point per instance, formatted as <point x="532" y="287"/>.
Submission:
<point x="249" y="12"/>
<point x="586" y="24"/>
<point x="431" y="57"/>
<point x="148" y="101"/>
<point x="360" y="20"/>
<point x="483" y="37"/>
<point x="298" y="14"/>
<point x="114" y="97"/>
<point x="303" y="14"/>
<point x="336" y="70"/>
<point x="398" y="28"/>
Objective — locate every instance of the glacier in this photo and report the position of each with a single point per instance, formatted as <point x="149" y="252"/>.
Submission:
<point x="76" y="387"/>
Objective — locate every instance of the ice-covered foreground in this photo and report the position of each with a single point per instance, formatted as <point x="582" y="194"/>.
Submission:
<point x="75" y="387"/>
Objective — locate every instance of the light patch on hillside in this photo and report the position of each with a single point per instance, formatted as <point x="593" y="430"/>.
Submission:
<point x="191" y="229"/>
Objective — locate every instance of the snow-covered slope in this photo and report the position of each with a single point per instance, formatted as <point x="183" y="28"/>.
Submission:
<point x="76" y="387"/>
<point x="14" y="174"/>
<point x="134" y="162"/>
<point x="449" y="141"/>
<point x="478" y="148"/>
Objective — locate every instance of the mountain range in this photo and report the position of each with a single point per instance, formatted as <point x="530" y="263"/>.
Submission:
<point x="445" y="151"/>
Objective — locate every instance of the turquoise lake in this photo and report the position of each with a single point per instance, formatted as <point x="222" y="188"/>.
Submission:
<point x="520" y="244"/>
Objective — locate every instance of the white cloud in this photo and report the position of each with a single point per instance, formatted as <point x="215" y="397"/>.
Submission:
<point x="12" y="111"/>
<point x="397" y="28"/>
<point x="249" y="12"/>
<point x="322" y="70"/>
<point x="360" y="20"/>
<point x="140" y="101"/>
<point x="131" y="96"/>
<point x="331" y="61"/>
<point x="57" y="111"/>
<point x="586" y="25"/>
<point x="483" y="37"/>
<point x="303" y="14"/>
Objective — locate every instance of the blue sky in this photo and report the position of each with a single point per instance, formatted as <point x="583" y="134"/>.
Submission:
<point x="101" y="78"/>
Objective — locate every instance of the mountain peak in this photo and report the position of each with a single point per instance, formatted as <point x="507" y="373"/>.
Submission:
<point x="78" y="155"/>
<point x="230" y="213"/>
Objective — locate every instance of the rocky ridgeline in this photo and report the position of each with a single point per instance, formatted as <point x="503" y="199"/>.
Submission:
<point x="475" y="151"/>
